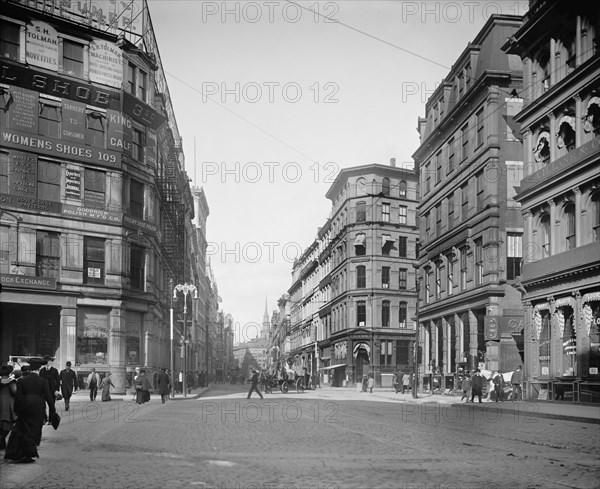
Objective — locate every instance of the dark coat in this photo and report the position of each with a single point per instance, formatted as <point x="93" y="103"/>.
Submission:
<point x="68" y="382"/>
<point x="52" y="377"/>
<point x="477" y="382"/>
<point x="164" y="381"/>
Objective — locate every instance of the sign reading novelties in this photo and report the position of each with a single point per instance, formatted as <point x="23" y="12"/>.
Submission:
<point x="24" y="111"/>
<point x="41" y="45"/>
<point x="106" y="63"/>
<point x="73" y="121"/>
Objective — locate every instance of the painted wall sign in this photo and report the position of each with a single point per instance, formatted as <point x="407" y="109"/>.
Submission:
<point x="106" y="63"/>
<point x="52" y="147"/>
<point x="90" y="214"/>
<point x="28" y="282"/>
<point x="22" y="174"/>
<point x="119" y="132"/>
<point x="141" y="112"/>
<point x="135" y="223"/>
<point x="41" y="45"/>
<point x="73" y="184"/>
<point x="24" y="110"/>
<point x="29" y="203"/>
<point x="73" y="121"/>
<point x="58" y="86"/>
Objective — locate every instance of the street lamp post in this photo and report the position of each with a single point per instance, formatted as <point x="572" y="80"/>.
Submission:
<point x="415" y="385"/>
<point x="186" y="289"/>
<point x="171" y="354"/>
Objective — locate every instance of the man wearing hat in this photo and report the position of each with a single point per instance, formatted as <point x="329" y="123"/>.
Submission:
<point x="30" y="407"/>
<point x="50" y="373"/>
<point x="68" y="384"/>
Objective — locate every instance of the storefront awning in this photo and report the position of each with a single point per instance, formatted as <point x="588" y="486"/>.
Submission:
<point x="334" y="366"/>
<point x="360" y="240"/>
<point x="385" y="239"/>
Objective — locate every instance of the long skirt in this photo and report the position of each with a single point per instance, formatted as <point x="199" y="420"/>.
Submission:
<point x="106" y="392"/>
<point x="26" y="435"/>
<point x="142" y="396"/>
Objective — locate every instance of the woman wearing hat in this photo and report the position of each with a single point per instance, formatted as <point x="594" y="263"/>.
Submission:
<point x="8" y="390"/>
<point x="33" y="393"/>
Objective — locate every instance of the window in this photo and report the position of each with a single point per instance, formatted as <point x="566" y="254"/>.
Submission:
<point x="387" y="243"/>
<point x="451" y="211"/>
<point x="142" y="91"/>
<point x="48" y="182"/>
<point x="385" y="314"/>
<point x="361" y="211"/>
<point x="514" y="254"/>
<point x="545" y="234"/>
<point x="47" y="254"/>
<point x="402" y="314"/>
<point x="438" y="281"/>
<point x="385" y="212"/>
<point x="428" y="288"/>
<point x="464" y="201"/>
<point x="479" y="261"/>
<point x="596" y="216"/>
<point x="479" y="122"/>
<point x="361" y="277"/>
<point x="137" y="145"/>
<point x="402" y="214"/>
<point x="427" y="179"/>
<point x="385" y="277"/>
<point x="95" y="123"/>
<point x="72" y="58"/>
<point x="514" y="175"/>
<point x="438" y="220"/>
<point x="9" y="40"/>
<point x="464" y="137"/>
<point x="402" y="188"/>
<point x="449" y="276"/>
<point x="3" y="174"/>
<point x="428" y="223"/>
<point x="450" y="156"/>
<point x="361" y="186"/>
<point x="136" y="270"/>
<point x="94" y="187"/>
<point x="403" y="278"/>
<point x="131" y="78"/>
<point x="136" y="199"/>
<point x="361" y="313"/>
<point x="402" y="246"/>
<point x="93" y="260"/>
<point x="385" y="186"/>
<point x="49" y="119"/>
<point x="438" y="167"/>
<point x="480" y="190"/>
<point x="387" y="347"/>
<point x="463" y="268"/>
<point x="569" y="211"/>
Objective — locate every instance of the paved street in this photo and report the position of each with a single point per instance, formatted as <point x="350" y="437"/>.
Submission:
<point x="325" y="439"/>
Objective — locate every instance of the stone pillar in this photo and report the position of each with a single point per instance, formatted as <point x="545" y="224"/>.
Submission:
<point x="578" y="218"/>
<point x="458" y="327"/>
<point x="434" y="342"/>
<point x="426" y="357"/>
<point x="115" y="191"/>
<point x="472" y="336"/>
<point x="553" y="73"/>
<point x="552" y="138"/>
<point x="553" y="233"/>
<point x="580" y="333"/>
<point x="578" y="120"/>
<point x="116" y="349"/>
<point x="446" y="345"/>
<point x="529" y="246"/>
<point x="68" y="336"/>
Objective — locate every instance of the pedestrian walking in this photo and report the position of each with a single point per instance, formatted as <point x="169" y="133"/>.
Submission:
<point x="164" y="384"/>
<point x="396" y="382"/>
<point x="93" y="381"/>
<point x="68" y="383"/>
<point x="142" y="388"/>
<point x="498" y="386"/>
<point x="8" y="390"/>
<point x="370" y="384"/>
<point x="476" y="385"/>
<point x="254" y="384"/>
<point x="105" y="386"/>
<point x="516" y="379"/>
<point x="466" y="387"/>
<point x="365" y="380"/>
<point x="50" y="373"/>
<point x="33" y="393"/>
<point x="405" y="382"/>
<point x="136" y="374"/>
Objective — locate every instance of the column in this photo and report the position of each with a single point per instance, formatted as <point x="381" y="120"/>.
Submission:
<point x="531" y="347"/>
<point x="446" y="345"/>
<point x="426" y="355"/>
<point x="434" y="342"/>
<point x="553" y="233"/>
<point x="115" y="191"/>
<point x="552" y="64"/>
<point x="556" y="341"/>
<point x="578" y="219"/>
<point x="472" y="337"/>
<point x="68" y="336"/>
<point x="529" y="246"/>
<point x="578" y="119"/>
<point x="552" y="138"/>
<point x="580" y="334"/>
<point x="458" y="326"/>
<point x="116" y="349"/>
<point x="528" y="165"/>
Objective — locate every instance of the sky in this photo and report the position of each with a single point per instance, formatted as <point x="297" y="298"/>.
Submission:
<point x="273" y="98"/>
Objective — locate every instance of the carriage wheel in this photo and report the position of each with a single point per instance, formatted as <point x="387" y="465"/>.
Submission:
<point x="267" y="389"/>
<point x="300" y="386"/>
<point x="284" y="387"/>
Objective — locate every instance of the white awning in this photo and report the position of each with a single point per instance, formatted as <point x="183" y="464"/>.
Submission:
<point x="360" y="240"/>
<point x="569" y="120"/>
<point x="334" y="366"/>
<point x="386" y="238"/>
<point x="358" y="346"/>
<point x="593" y="101"/>
<point x="543" y="135"/>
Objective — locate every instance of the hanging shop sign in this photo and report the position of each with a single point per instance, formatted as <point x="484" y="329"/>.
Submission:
<point x="27" y="282"/>
<point x="41" y="45"/>
<point x="141" y="112"/>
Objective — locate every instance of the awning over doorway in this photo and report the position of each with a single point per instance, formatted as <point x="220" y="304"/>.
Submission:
<point x="334" y="366"/>
<point x="359" y="346"/>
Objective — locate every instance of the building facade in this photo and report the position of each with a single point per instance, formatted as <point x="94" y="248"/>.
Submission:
<point x="95" y="204"/>
<point x="352" y="296"/>
<point x="469" y="161"/>
<point x="560" y="198"/>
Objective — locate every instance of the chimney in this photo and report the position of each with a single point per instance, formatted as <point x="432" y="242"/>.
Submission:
<point x="393" y="162"/>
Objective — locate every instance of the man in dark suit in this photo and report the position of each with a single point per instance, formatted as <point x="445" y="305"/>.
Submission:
<point x="33" y="393"/>
<point x="68" y="384"/>
<point x="49" y="373"/>
<point x="476" y="385"/>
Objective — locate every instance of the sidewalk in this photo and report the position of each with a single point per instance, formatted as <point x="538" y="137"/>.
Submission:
<point x="84" y="395"/>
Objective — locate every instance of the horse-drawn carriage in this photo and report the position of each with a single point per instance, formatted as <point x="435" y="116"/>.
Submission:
<point x="285" y="382"/>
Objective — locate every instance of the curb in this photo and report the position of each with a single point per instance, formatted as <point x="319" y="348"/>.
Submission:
<point x="190" y="396"/>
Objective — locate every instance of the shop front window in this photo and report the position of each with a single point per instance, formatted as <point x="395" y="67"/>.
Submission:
<point x="591" y="319"/>
<point x="569" y="341"/>
<point x="92" y="335"/>
<point x="544" y="342"/>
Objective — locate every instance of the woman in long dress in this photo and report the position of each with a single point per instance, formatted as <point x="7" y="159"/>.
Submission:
<point x="8" y="390"/>
<point x="142" y="388"/>
<point x="105" y="386"/>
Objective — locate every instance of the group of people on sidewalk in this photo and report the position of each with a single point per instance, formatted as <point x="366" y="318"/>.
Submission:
<point x="472" y="386"/>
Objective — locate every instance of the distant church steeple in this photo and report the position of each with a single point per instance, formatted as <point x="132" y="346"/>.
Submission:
<point x="266" y="325"/>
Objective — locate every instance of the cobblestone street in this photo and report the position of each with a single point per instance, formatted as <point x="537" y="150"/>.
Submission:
<point x="320" y="439"/>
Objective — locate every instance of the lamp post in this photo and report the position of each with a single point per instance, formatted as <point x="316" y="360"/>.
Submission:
<point x="186" y="289"/>
<point x="416" y="352"/>
<point x="171" y="351"/>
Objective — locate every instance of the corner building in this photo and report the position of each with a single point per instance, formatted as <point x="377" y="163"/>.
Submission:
<point x="353" y="294"/>
<point x="469" y="161"/>
<point x="560" y="198"/>
<point x="93" y="194"/>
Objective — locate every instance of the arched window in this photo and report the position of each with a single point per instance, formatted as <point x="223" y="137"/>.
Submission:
<point x="385" y="186"/>
<point x="361" y="186"/>
<point x="565" y="137"/>
<point x="402" y="188"/>
<point x="402" y="314"/>
<point x="591" y="119"/>
<point x="596" y="216"/>
<point x="545" y="234"/>
<point x="541" y="151"/>
<point x="569" y="226"/>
